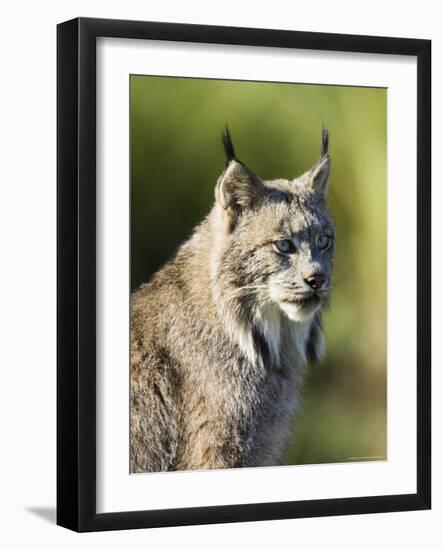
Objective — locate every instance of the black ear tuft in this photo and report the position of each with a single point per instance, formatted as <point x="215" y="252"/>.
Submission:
<point x="324" y="141"/>
<point x="228" y="145"/>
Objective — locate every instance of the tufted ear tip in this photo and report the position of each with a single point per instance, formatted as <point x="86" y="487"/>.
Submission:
<point x="324" y="141"/>
<point x="318" y="175"/>
<point x="228" y="144"/>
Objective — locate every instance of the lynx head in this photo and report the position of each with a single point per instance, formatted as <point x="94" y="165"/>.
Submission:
<point x="276" y="247"/>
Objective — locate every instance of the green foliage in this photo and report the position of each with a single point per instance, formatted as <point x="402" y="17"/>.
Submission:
<point x="176" y="158"/>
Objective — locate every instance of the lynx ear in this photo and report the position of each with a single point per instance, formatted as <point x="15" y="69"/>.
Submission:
<point x="238" y="188"/>
<point x="317" y="177"/>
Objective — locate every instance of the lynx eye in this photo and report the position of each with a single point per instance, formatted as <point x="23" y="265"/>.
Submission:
<point x="323" y="242"/>
<point x="285" y="246"/>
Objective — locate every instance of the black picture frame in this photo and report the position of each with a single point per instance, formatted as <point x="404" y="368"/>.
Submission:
<point x="76" y="273"/>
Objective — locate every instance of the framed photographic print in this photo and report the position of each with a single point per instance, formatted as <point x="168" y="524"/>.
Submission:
<point x="243" y="274"/>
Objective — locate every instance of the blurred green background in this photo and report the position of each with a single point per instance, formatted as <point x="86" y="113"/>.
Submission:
<point x="176" y="158"/>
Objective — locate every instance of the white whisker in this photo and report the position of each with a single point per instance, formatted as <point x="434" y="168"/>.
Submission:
<point x="248" y="287"/>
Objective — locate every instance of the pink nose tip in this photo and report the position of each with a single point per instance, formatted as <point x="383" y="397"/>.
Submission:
<point x="315" y="281"/>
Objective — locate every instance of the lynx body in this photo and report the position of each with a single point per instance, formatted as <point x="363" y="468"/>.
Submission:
<point x="221" y="335"/>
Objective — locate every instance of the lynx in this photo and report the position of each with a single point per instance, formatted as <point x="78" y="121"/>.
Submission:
<point x="221" y="335"/>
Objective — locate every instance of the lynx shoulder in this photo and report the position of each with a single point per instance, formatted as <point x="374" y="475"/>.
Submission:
<point x="221" y="334"/>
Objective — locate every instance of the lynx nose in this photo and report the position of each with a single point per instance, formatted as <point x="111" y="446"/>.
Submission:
<point x="315" y="281"/>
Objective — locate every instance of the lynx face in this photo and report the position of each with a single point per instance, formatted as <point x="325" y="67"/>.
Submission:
<point x="279" y="240"/>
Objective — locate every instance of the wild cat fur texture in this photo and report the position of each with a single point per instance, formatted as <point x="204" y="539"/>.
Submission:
<point x="220" y="336"/>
